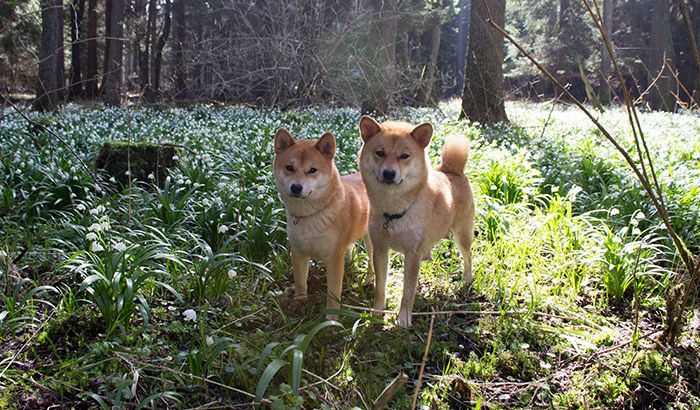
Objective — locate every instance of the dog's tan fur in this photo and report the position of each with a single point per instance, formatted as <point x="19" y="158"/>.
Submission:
<point x="326" y="217"/>
<point x="418" y="206"/>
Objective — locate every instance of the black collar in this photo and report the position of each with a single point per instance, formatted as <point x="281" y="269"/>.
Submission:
<point x="390" y="217"/>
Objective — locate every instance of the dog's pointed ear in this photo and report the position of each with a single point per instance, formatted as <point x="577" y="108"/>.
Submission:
<point x="283" y="140"/>
<point x="326" y="145"/>
<point x="422" y="134"/>
<point x="368" y="127"/>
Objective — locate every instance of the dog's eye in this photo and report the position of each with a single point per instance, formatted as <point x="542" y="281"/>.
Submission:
<point x="312" y="170"/>
<point x="404" y="156"/>
<point x="290" y="168"/>
<point x="380" y="153"/>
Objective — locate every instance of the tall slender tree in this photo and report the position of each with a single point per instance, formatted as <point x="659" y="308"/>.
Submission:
<point x="91" y="66"/>
<point x="605" y="61"/>
<point x="115" y="46"/>
<point x="179" y="49"/>
<point x="50" y="84"/>
<point x="76" y="34"/>
<point x="462" y="42"/>
<point x="661" y="58"/>
<point x="482" y="97"/>
<point x="380" y="57"/>
<point x="157" y="49"/>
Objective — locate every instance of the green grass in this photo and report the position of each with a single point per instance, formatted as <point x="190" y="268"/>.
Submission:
<point x="570" y="259"/>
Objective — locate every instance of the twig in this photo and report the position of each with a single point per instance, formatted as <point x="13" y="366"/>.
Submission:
<point x="389" y="391"/>
<point x="422" y="364"/>
<point x="21" y="349"/>
<point x="238" y="320"/>
<point x="322" y="380"/>
<point x="55" y="135"/>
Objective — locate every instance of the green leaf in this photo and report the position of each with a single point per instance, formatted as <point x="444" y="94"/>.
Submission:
<point x="297" y="363"/>
<point x="270" y="372"/>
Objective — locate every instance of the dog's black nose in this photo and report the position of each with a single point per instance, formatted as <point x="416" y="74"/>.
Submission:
<point x="389" y="175"/>
<point x="296" y="189"/>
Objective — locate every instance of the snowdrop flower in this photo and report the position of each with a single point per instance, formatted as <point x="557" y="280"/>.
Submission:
<point x="175" y="158"/>
<point x="112" y="180"/>
<point x="80" y="207"/>
<point x="127" y="173"/>
<point x="95" y="227"/>
<point x="614" y="212"/>
<point x="105" y="225"/>
<point x="120" y="246"/>
<point x="223" y="228"/>
<point x="232" y="273"/>
<point x="151" y="176"/>
<point x="91" y="236"/>
<point x="209" y="340"/>
<point x="96" y="247"/>
<point x="249" y="208"/>
<point x="190" y="315"/>
<point x="640" y="216"/>
<point x="636" y="232"/>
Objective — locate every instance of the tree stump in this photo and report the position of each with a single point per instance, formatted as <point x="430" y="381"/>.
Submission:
<point x="146" y="162"/>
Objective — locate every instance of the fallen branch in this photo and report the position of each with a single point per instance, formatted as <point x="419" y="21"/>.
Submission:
<point x="389" y="391"/>
<point x="422" y="364"/>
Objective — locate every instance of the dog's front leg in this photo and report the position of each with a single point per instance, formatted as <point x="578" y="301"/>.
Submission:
<point x="300" y="264"/>
<point x="411" y="271"/>
<point x="381" y="265"/>
<point x="335" y="267"/>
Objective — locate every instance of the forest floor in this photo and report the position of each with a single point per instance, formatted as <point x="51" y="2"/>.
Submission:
<point x="101" y="282"/>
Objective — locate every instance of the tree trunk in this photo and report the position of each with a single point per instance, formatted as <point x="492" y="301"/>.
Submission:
<point x="564" y="11"/>
<point x="380" y="68"/>
<point x="692" y="39"/>
<point x="147" y="55"/>
<point x="91" y="74"/>
<point x="76" y="34"/>
<point x="462" y="42"/>
<point x="50" y="84"/>
<point x="661" y="58"/>
<point x="115" y="47"/>
<point x="158" y="51"/>
<point x="108" y="41"/>
<point x="605" y="62"/>
<point x="482" y="97"/>
<point x="179" y="49"/>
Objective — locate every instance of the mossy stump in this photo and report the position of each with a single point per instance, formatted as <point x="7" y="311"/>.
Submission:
<point x="144" y="159"/>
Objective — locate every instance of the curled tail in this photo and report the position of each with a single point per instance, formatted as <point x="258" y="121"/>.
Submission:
<point x="455" y="153"/>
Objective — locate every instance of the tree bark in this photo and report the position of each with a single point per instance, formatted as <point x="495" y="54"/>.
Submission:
<point x="179" y="49"/>
<point x="692" y="39"/>
<point x="50" y="84"/>
<point x="427" y="91"/>
<point x="160" y="44"/>
<point x="482" y="97"/>
<point x="661" y="58"/>
<point x="76" y="31"/>
<point x="147" y="55"/>
<point x="91" y="74"/>
<point x="113" y="75"/>
<point x="108" y="41"/>
<point x="605" y="62"/>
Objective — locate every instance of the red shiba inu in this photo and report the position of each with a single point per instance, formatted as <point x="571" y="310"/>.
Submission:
<point x="326" y="213"/>
<point x="411" y="205"/>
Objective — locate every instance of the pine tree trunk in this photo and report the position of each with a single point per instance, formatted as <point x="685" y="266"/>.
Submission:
<point x="113" y="74"/>
<point x="158" y="52"/>
<point x="661" y="56"/>
<point x="50" y="84"/>
<point x="91" y="73"/>
<point x="482" y="97"/>
<point x="76" y="24"/>
<point x="179" y="49"/>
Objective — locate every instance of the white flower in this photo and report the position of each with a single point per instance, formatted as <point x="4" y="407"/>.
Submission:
<point x="493" y="187"/>
<point x="105" y="225"/>
<point x="127" y="173"/>
<point x="175" y="158"/>
<point x="614" y="212"/>
<point x="151" y="176"/>
<point x="545" y="365"/>
<point x="96" y="247"/>
<point x="640" y="216"/>
<point x="223" y="228"/>
<point x="636" y="232"/>
<point x="190" y="315"/>
<point x="112" y="180"/>
<point x="120" y="246"/>
<point x="91" y="236"/>
<point x="95" y="227"/>
<point x="232" y="273"/>
<point x="209" y="340"/>
<point x="249" y="208"/>
<point x="80" y="207"/>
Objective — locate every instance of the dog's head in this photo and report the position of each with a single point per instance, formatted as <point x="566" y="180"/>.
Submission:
<point x="303" y="168"/>
<point x="394" y="153"/>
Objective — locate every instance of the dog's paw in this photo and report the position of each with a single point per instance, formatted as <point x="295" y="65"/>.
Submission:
<point x="405" y="318"/>
<point x="377" y="310"/>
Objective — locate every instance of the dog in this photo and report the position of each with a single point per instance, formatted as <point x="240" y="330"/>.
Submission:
<point x="326" y="213"/>
<point x="411" y="205"/>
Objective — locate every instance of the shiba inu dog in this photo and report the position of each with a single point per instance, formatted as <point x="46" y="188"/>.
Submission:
<point x="411" y="205"/>
<point x="326" y="213"/>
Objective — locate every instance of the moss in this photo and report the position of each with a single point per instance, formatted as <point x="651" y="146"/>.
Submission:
<point x="144" y="159"/>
